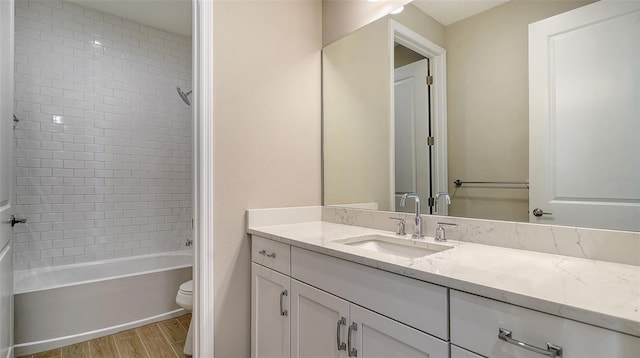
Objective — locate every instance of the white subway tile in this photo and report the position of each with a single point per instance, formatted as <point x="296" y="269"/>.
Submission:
<point x="72" y="251"/>
<point x="59" y="261"/>
<point x="104" y="138"/>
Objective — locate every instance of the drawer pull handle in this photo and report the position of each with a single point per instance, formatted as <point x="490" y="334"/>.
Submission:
<point x="351" y="351"/>
<point x="341" y="345"/>
<point x="283" y="312"/>
<point x="551" y="351"/>
<point x="264" y="253"/>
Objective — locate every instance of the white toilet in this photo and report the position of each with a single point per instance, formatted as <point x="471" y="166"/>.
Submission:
<point x="184" y="299"/>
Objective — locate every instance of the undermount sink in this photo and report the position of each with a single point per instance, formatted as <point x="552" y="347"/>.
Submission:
<point x="401" y="247"/>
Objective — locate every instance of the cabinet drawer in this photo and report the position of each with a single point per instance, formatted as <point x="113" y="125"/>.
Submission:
<point x="457" y="352"/>
<point x="272" y="254"/>
<point x="475" y="324"/>
<point x="417" y="304"/>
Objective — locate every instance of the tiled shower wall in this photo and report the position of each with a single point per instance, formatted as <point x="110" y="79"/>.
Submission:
<point x="102" y="156"/>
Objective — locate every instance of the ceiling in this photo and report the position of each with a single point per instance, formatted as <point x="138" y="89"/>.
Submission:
<point x="169" y="15"/>
<point x="448" y="12"/>
<point x="175" y="15"/>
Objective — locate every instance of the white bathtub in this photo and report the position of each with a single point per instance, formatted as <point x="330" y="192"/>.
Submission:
<point x="62" y="305"/>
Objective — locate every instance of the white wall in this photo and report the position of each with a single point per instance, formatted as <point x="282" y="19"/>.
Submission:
<point x="266" y="138"/>
<point x="102" y="162"/>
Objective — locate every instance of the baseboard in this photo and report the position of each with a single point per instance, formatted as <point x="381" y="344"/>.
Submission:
<point x="45" y="345"/>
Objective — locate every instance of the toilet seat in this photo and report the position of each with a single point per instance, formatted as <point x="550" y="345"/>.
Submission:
<point x="184" y="297"/>
<point x="186" y="288"/>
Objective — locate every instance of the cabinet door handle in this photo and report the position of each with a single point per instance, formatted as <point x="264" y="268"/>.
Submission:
<point x="341" y="345"/>
<point x="551" y="351"/>
<point x="352" y="351"/>
<point x="264" y="253"/>
<point x="283" y="312"/>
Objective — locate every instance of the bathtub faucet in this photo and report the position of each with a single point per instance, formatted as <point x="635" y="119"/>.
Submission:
<point x="188" y="243"/>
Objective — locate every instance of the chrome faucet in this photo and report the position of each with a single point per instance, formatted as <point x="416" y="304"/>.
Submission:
<point x="437" y="198"/>
<point x="417" y="229"/>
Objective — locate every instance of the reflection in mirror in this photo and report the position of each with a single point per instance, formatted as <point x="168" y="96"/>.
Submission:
<point x="487" y="109"/>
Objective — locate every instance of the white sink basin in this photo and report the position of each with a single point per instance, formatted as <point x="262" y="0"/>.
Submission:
<point x="401" y="247"/>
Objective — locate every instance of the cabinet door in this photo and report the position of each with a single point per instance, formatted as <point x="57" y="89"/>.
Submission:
<point x="318" y="323"/>
<point x="373" y="335"/>
<point x="269" y="315"/>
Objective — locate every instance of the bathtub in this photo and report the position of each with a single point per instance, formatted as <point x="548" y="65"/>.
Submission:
<point x="58" y="306"/>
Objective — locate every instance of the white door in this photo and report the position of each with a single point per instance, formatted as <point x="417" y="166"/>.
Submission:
<point x="376" y="336"/>
<point x="584" y="135"/>
<point x="270" y="313"/>
<point x="6" y="145"/>
<point x="318" y="323"/>
<point x="411" y="129"/>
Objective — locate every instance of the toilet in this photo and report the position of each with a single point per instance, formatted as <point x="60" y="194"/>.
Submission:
<point x="184" y="299"/>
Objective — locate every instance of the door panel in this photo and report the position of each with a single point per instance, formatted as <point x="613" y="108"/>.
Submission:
<point x="269" y="326"/>
<point x="6" y="302"/>
<point x="314" y="322"/>
<point x="411" y="129"/>
<point x="6" y="145"/>
<point x="381" y="337"/>
<point x="585" y="117"/>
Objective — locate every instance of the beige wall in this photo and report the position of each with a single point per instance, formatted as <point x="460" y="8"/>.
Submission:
<point x="418" y="21"/>
<point x="402" y="56"/>
<point x="357" y="106"/>
<point x="267" y="138"/>
<point x="487" y="90"/>
<point x="342" y="17"/>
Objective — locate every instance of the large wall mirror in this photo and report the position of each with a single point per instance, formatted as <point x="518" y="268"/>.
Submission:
<point x="371" y="156"/>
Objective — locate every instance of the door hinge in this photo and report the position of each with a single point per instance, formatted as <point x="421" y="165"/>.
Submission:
<point x="429" y="80"/>
<point x="431" y="202"/>
<point x="431" y="141"/>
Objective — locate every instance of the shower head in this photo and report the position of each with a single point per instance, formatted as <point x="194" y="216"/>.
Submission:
<point x="183" y="95"/>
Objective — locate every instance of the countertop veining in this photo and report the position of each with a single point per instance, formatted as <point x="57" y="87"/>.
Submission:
<point x="600" y="293"/>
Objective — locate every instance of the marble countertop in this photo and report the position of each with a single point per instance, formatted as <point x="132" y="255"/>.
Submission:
<point x="600" y="293"/>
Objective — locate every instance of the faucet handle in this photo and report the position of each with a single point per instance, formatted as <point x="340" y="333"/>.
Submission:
<point x="401" y="226"/>
<point x="440" y="233"/>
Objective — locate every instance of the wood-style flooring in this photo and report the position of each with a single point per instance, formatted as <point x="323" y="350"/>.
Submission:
<point x="156" y="340"/>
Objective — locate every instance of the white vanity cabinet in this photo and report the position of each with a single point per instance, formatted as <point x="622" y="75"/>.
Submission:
<point x="362" y="312"/>
<point x="307" y="304"/>
<point x="476" y="324"/>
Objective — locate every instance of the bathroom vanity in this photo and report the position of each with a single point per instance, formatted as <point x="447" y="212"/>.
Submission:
<point x="326" y="289"/>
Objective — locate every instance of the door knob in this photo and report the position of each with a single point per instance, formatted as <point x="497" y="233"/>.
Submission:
<point x="537" y="212"/>
<point x="13" y="221"/>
